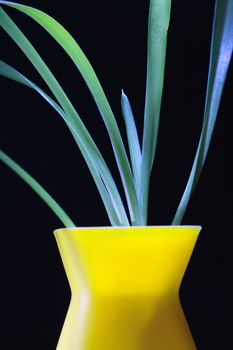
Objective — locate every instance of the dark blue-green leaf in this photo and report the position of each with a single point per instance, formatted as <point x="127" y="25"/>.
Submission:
<point x="220" y="57"/>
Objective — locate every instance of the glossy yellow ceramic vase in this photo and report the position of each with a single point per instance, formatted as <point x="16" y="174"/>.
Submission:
<point x="125" y="284"/>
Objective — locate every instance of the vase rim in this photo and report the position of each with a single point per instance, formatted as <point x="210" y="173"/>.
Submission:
<point x="127" y="227"/>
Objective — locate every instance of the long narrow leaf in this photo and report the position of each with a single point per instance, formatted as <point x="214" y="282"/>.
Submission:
<point x="68" y="43"/>
<point x="159" y="16"/>
<point x="220" y="57"/>
<point x="83" y="138"/>
<point x="38" y="189"/>
<point x="13" y="74"/>
<point x="133" y="140"/>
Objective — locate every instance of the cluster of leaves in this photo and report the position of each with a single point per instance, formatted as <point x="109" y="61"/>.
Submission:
<point x="135" y="174"/>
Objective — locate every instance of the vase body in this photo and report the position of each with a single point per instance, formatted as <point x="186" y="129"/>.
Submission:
<point x="124" y="287"/>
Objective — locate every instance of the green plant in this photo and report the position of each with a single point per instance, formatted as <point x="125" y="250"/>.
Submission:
<point x="135" y="174"/>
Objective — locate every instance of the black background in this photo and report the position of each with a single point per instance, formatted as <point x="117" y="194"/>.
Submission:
<point x="34" y="289"/>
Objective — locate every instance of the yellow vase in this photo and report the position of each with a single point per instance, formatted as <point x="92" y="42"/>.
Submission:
<point x="125" y="284"/>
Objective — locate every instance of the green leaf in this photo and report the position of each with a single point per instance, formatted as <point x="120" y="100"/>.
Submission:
<point x="38" y="189"/>
<point x="73" y="50"/>
<point x="159" y="16"/>
<point x="133" y="141"/>
<point x="13" y="74"/>
<point x="83" y="138"/>
<point x="220" y="57"/>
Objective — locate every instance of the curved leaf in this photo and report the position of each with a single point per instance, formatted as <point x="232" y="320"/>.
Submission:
<point x="67" y="42"/>
<point x="83" y="138"/>
<point x="13" y="74"/>
<point x="220" y="57"/>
